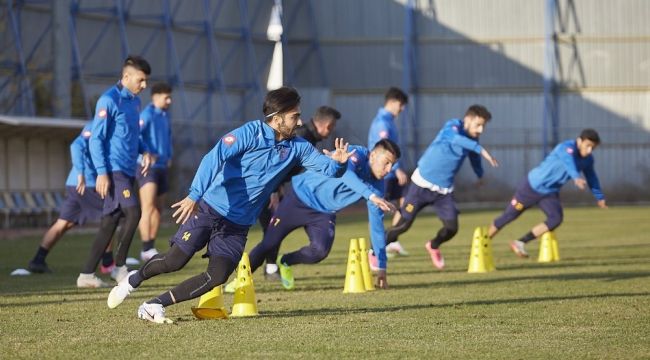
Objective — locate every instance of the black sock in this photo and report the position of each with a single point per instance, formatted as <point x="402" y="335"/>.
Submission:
<point x="148" y="244"/>
<point x="163" y="299"/>
<point x="107" y="258"/>
<point x="41" y="253"/>
<point x="528" y="237"/>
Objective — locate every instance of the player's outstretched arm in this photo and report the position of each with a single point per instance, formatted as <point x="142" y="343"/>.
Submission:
<point x="580" y="183"/>
<point x="382" y="203"/>
<point x="487" y="156"/>
<point x="186" y="208"/>
<point x="382" y="283"/>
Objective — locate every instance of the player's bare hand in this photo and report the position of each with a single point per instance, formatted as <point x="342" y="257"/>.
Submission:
<point x="402" y="178"/>
<point x="602" y="204"/>
<point x="148" y="160"/>
<point x="382" y="203"/>
<point x="186" y="208"/>
<point x="340" y="152"/>
<point x="102" y="184"/>
<point x="580" y="183"/>
<point x="274" y="201"/>
<point x="81" y="184"/>
<point x="382" y="283"/>
<point x="487" y="156"/>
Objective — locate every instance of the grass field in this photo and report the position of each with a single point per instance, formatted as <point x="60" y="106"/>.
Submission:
<point x="594" y="303"/>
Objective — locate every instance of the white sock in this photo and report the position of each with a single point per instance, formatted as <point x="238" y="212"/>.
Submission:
<point x="271" y="268"/>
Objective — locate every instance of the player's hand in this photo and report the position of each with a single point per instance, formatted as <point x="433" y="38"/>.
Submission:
<point x="274" y="200"/>
<point x="102" y="184"/>
<point x="580" y="183"/>
<point x="81" y="184"/>
<point x="340" y="152"/>
<point x="148" y="160"/>
<point x="382" y="203"/>
<point x="602" y="204"/>
<point x="489" y="158"/>
<point x="382" y="283"/>
<point x="186" y="208"/>
<point x="402" y="178"/>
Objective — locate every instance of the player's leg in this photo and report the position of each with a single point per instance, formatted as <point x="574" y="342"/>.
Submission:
<point x="394" y="191"/>
<point x="320" y="229"/>
<point x="50" y="238"/>
<point x="415" y="200"/>
<point x="148" y="191"/>
<point x="447" y="212"/>
<point x="108" y="224"/>
<point x="125" y="195"/>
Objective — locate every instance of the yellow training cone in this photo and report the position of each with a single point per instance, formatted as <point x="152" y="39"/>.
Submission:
<point x="480" y="257"/>
<point x="548" y="249"/>
<point x="353" y="274"/>
<point x="244" y="302"/>
<point x="365" y="266"/>
<point x="211" y="305"/>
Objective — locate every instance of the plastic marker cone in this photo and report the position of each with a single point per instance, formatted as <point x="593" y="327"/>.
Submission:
<point x="548" y="249"/>
<point x="244" y="302"/>
<point x="211" y="305"/>
<point x="353" y="275"/>
<point x="480" y="257"/>
<point x="365" y="266"/>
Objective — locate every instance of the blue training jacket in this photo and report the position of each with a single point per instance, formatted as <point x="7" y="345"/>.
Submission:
<point x="81" y="161"/>
<point x="330" y="195"/>
<point x="115" y="140"/>
<point x="156" y="134"/>
<point x="561" y="165"/>
<point x="239" y="174"/>
<point x="383" y="127"/>
<point x="445" y="155"/>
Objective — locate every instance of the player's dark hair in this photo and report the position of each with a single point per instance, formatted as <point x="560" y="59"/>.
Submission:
<point x="139" y="63"/>
<point x="161" y="88"/>
<point x="590" y="134"/>
<point x="389" y="146"/>
<point x="480" y="111"/>
<point x="395" y="93"/>
<point x="326" y="112"/>
<point x="279" y="101"/>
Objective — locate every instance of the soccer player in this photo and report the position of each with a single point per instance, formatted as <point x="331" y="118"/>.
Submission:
<point x="114" y="147"/>
<point x="320" y="126"/>
<point x="81" y="204"/>
<point x="542" y="187"/>
<point x="383" y="127"/>
<point x="233" y="182"/>
<point x="312" y="202"/>
<point x="155" y="130"/>
<point x="432" y="182"/>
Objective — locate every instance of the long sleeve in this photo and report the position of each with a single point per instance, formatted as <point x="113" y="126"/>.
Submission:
<point x="77" y="149"/>
<point x="145" y="132"/>
<point x="466" y="143"/>
<point x="311" y="159"/>
<point x="351" y="180"/>
<point x="475" y="161"/>
<point x="592" y="180"/>
<point x="565" y="154"/>
<point x="229" y="146"/>
<point x="100" y="127"/>
<point x="377" y="235"/>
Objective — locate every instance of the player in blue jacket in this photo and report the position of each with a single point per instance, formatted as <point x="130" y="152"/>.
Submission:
<point x="81" y="203"/>
<point x="383" y="127"/>
<point x="312" y="201"/>
<point x="542" y="187"/>
<point x="432" y="182"/>
<point x="114" y="146"/>
<point x="233" y="182"/>
<point x="156" y="133"/>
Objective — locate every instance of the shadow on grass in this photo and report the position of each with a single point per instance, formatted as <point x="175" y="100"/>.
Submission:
<point x="390" y="309"/>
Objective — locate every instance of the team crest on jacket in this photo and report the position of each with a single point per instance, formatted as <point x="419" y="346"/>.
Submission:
<point x="383" y="134"/>
<point x="102" y="113"/>
<point x="354" y="159"/>
<point x="141" y="122"/>
<point x="569" y="150"/>
<point x="229" y="139"/>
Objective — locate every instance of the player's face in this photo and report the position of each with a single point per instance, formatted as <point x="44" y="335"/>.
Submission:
<point x="474" y="126"/>
<point x="287" y="123"/>
<point x="381" y="162"/>
<point x="134" y="80"/>
<point x="162" y="101"/>
<point x="585" y="147"/>
<point x="325" y="126"/>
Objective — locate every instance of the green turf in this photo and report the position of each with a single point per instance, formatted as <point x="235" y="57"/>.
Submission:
<point x="594" y="303"/>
